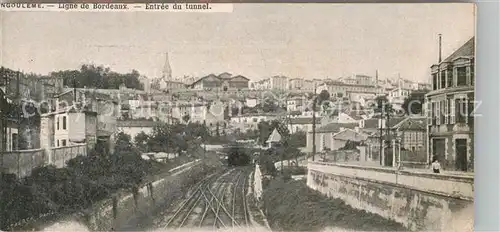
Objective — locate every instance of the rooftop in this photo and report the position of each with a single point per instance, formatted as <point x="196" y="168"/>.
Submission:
<point x="298" y="121"/>
<point x="274" y="137"/>
<point x="373" y="123"/>
<point x="335" y="127"/>
<point x="468" y="49"/>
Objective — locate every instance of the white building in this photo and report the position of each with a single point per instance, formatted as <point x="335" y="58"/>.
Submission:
<point x="279" y="83"/>
<point x="296" y="84"/>
<point x="135" y="127"/>
<point x="301" y="124"/>
<point x="250" y="121"/>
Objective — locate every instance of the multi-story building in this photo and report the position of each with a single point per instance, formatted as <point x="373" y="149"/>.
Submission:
<point x="279" y="83"/>
<point x="296" y="84"/>
<point x="358" y="80"/>
<point x="250" y="121"/>
<point x="297" y="103"/>
<point x="135" y="127"/>
<point x="450" y="106"/>
<point x="223" y="82"/>
<point x="301" y="124"/>
<point x="264" y="84"/>
<point x="88" y="103"/>
<point x="166" y="85"/>
<point x="413" y="132"/>
<point x="340" y="89"/>
<point x="68" y="126"/>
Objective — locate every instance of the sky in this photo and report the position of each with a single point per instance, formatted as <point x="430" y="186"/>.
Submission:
<point x="255" y="40"/>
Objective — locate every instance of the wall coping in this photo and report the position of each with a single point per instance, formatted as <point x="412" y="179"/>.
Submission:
<point x="70" y="146"/>
<point x="24" y="151"/>
<point x="404" y="186"/>
<point x="441" y="176"/>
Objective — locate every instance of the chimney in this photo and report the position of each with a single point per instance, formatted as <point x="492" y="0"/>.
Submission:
<point x="440" y="48"/>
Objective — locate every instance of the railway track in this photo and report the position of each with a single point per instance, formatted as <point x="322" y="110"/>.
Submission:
<point x="218" y="201"/>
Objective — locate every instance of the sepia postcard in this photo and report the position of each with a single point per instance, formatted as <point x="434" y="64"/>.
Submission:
<point x="217" y="116"/>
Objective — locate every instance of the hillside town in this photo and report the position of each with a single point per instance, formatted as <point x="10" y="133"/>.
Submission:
<point x="233" y="104"/>
<point x="268" y="124"/>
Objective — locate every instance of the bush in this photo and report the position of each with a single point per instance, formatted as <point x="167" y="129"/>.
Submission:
<point x="295" y="171"/>
<point x="82" y="182"/>
<point x="291" y="205"/>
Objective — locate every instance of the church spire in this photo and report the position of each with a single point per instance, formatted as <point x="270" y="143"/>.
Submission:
<point x="167" y="71"/>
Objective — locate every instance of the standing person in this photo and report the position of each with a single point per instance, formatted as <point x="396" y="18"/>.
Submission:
<point x="436" y="166"/>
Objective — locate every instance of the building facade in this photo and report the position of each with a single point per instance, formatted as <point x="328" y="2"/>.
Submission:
<point x="450" y="107"/>
<point x="296" y="84"/>
<point x="223" y="83"/>
<point x="279" y="83"/>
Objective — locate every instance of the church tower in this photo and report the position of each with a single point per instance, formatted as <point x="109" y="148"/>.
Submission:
<point x="167" y="71"/>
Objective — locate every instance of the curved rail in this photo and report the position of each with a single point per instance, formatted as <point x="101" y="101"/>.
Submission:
<point x="245" y="205"/>
<point x="234" y="197"/>
<point x="198" y="188"/>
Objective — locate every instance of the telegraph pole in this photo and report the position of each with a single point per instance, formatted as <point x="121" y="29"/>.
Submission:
<point x="314" y="124"/>
<point x="18" y="107"/>
<point x="380" y="105"/>
<point x="4" y="128"/>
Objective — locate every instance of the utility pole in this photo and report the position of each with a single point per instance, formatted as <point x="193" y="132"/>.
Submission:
<point x="74" y="90"/>
<point x="4" y="144"/>
<point x="314" y="124"/>
<point x="388" y="133"/>
<point x="381" y="148"/>
<point x="18" y="107"/>
<point x="440" y="49"/>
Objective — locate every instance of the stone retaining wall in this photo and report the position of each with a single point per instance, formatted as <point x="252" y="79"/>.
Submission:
<point x="420" y="201"/>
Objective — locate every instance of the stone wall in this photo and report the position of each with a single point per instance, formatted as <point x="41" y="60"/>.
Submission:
<point x="257" y="185"/>
<point x="420" y="201"/>
<point x="124" y="208"/>
<point x="58" y="156"/>
<point x="22" y="162"/>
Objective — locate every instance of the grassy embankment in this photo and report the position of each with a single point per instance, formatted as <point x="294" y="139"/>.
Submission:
<point x="291" y="205"/>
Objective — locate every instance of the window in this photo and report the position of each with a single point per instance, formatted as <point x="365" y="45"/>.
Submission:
<point x="443" y="111"/>
<point x="443" y="79"/>
<point x="461" y="76"/>
<point x="449" y="78"/>
<point x="438" y="113"/>
<point x="255" y="119"/>
<point x="460" y="105"/>
<point x="64" y="122"/>
<point x="63" y="142"/>
<point x="412" y="148"/>
<point x="14" y="142"/>
<point x="472" y="75"/>
<point x="448" y="111"/>
<point x="434" y="81"/>
<point x="57" y="143"/>
<point x="470" y="111"/>
<point x="57" y="123"/>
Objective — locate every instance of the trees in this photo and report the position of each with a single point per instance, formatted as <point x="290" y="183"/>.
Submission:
<point x="141" y="141"/>
<point x="324" y="95"/>
<point x="412" y="105"/>
<point x="186" y="118"/>
<point x="123" y="143"/>
<point x="264" y="131"/>
<point x="100" y="77"/>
